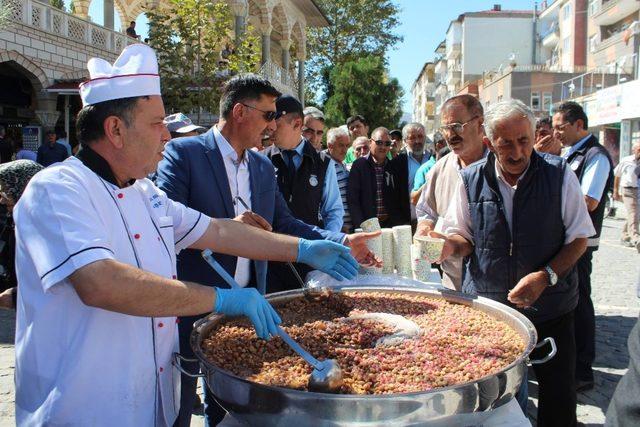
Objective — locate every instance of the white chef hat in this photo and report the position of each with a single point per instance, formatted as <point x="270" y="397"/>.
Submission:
<point x="135" y="73"/>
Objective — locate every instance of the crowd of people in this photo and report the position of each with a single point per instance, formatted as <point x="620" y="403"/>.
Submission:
<point x="519" y="202"/>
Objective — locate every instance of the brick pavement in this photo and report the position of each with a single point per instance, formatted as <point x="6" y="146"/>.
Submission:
<point x="617" y="306"/>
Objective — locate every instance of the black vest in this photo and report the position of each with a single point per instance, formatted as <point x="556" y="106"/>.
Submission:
<point x="303" y="194"/>
<point x="577" y="161"/>
<point x="502" y="257"/>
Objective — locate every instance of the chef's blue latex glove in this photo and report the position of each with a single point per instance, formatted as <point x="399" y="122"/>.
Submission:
<point x="249" y="302"/>
<point x="329" y="257"/>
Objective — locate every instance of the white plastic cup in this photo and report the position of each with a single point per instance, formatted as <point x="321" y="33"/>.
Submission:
<point x="420" y="267"/>
<point x="388" y="263"/>
<point x="402" y="240"/>
<point x="372" y="224"/>
<point x="430" y="247"/>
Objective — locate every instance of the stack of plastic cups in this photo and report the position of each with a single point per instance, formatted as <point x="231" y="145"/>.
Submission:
<point x="388" y="263"/>
<point x="402" y="239"/>
<point x="420" y="264"/>
<point x="374" y="245"/>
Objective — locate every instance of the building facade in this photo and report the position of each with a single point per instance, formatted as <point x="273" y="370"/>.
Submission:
<point x="44" y="52"/>
<point x="423" y="91"/>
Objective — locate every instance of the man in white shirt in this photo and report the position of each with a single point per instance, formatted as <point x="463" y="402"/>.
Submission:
<point x="95" y="257"/>
<point x="625" y="189"/>
<point x="462" y="121"/>
<point x="520" y="219"/>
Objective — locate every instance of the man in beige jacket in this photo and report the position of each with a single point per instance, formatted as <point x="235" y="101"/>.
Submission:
<point x="462" y="119"/>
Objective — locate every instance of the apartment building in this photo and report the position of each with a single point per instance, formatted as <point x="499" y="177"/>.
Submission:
<point x="478" y="42"/>
<point x="423" y="91"/>
<point x="610" y="89"/>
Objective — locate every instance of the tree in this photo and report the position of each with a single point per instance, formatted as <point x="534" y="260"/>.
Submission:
<point x="6" y="13"/>
<point x="196" y="53"/>
<point x="358" y="28"/>
<point x="362" y="87"/>
<point x="57" y="3"/>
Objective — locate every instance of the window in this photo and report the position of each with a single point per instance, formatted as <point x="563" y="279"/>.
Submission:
<point x="593" y="42"/>
<point x="566" y="45"/>
<point x="547" y="101"/>
<point x="566" y="11"/>
<point x="593" y="7"/>
<point x="535" y="101"/>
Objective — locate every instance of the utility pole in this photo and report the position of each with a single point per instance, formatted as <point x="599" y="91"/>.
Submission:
<point x="535" y="33"/>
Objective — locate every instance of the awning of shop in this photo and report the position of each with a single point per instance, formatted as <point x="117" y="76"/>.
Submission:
<point x="64" y="88"/>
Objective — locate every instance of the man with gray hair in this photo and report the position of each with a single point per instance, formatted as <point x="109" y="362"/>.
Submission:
<point x="520" y="219"/>
<point x="338" y="142"/>
<point x="406" y="164"/>
<point x="313" y="127"/>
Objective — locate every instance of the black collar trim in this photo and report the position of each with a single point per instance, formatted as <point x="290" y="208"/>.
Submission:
<point x="98" y="165"/>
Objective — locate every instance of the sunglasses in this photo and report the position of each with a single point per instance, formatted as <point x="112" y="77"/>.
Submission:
<point x="269" y="116"/>
<point x="385" y="143"/>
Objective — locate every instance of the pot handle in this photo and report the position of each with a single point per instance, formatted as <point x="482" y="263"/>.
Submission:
<point x="177" y="362"/>
<point x="552" y="353"/>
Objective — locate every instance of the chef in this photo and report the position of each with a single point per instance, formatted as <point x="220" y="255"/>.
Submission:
<point x="96" y="248"/>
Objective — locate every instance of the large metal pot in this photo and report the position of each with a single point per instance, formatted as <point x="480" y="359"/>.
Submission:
<point x="468" y="403"/>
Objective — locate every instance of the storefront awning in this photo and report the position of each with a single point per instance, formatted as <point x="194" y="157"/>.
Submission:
<point x="64" y="88"/>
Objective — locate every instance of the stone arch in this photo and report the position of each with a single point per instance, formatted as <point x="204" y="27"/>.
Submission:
<point x="34" y="73"/>
<point x="259" y="14"/>
<point x="76" y="75"/>
<point x="280" y="22"/>
<point x="299" y="39"/>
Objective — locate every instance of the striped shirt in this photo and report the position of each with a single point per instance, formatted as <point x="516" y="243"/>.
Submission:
<point x="343" y="178"/>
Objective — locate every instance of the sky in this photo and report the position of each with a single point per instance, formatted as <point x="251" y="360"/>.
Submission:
<point x="423" y="24"/>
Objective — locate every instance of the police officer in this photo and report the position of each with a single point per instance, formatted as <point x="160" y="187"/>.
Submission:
<point x="307" y="180"/>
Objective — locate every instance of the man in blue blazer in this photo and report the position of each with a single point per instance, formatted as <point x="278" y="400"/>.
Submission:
<point x="218" y="174"/>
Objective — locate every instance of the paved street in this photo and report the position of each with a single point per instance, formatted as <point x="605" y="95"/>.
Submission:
<point x="617" y="307"/>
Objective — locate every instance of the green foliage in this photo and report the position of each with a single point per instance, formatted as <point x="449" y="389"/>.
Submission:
<point x="189" y="37"/>
<point x="362" y="87"/>
<point x="358" y="28"/>
<point x="57" y="3"/>
<point x="6" y="11"/>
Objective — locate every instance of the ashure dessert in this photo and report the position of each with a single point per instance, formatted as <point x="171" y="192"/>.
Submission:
<point x="457" y="344"/>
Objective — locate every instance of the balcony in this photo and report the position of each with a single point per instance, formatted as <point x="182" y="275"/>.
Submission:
<point x="453" y="50"/>
<point x="610" y="41"/>
<point x="600" y="78"/>
<point x="453" y="76"/>
<point x="611" y="11"/>
<point x="281" y="79"/>
<point x="44" y="17"/>
<point x="440" y="67"/>
<point x="551" y="37"/>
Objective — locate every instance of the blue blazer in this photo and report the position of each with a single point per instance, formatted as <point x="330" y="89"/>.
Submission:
<point x="192" y="172"/>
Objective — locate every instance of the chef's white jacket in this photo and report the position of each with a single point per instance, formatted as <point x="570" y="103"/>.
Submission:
<point x="79" y="365"/>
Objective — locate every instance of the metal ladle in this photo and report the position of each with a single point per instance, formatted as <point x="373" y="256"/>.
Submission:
<point x="326" y="376"/>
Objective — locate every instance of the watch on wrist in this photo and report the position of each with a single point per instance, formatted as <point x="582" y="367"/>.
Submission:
<point x="553" y="277"/>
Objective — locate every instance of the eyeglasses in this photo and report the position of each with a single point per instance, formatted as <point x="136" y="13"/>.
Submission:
<point x="363" y="148"/>
<point x="560" y="128"/>
<point x="381" y="142"/>
<point x="456" y="128"/>
<point x="269" y="116"/>
<point x="318" y="132"/>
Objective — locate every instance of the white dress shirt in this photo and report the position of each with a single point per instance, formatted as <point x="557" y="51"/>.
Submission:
<point x="626" y="172"/>
<point x="240" y="186"/>
<point x="575" y="216"/>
